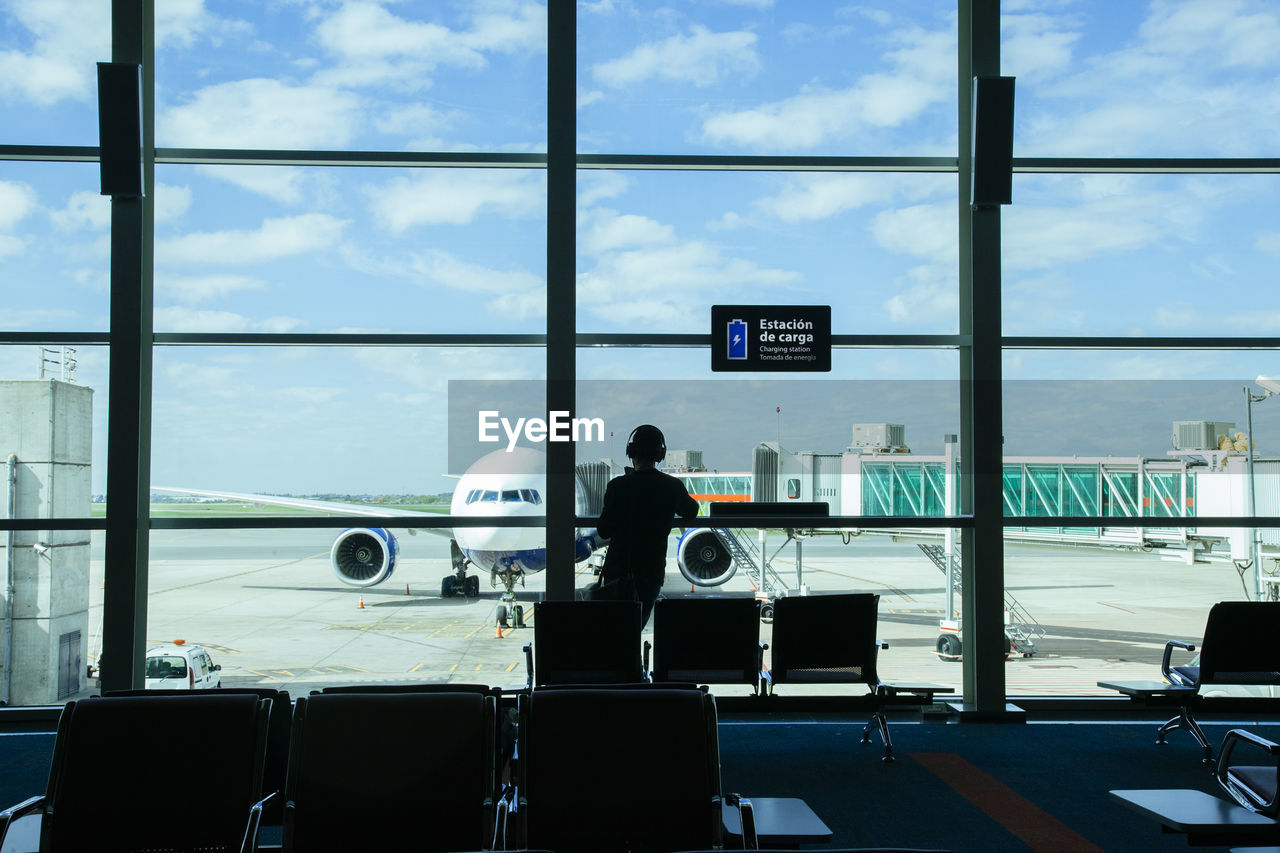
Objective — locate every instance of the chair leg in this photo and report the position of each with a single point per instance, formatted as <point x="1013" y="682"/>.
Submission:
<point x="1184" y="720"/>
<point x="881" y="722"/>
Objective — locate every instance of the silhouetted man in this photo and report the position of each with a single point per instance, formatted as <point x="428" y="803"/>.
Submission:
<point x="637" y="517"/>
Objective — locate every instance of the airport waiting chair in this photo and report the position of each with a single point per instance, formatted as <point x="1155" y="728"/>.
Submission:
<point x="1236" y="649"/>
<point x="584" y="642"/>
<point x="278" y="725"/>
<point x="391" y="771"/>
<point x="605" y="769"/>
<point x="152" y="773"/>
<point x="1253" y="818"/>
<point x="830" y="639"/>
<point x="707" y="641"/>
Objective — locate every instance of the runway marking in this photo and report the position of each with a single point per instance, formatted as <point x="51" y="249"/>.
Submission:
<point x="455" y="667"/>
<point x="1036" y="828"/>
<point x="330" y="669"/>
<point x="1117" y="607"/>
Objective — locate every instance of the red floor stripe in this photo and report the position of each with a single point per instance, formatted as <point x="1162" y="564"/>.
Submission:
<point x="1032" y="825"/>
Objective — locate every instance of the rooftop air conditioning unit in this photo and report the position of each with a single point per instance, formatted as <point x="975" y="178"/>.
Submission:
<point x="883" y="436"/>
<point x="1200" y="435"/>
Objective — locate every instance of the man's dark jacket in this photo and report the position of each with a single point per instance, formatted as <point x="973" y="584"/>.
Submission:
<point x="637" y="517"/>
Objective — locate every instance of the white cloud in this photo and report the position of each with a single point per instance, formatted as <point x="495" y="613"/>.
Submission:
<point x="587" y="97"/>
<point x="277" y="238"/>
<point x="928" y="297"/>
<point x="203" y="288"/>
<point x="85" y="209"/>
<point x="1268" y="242"/>
<point x="180" y="23"/>
<point x="456" y="197"/>
<point x="183" y="319"/>
<point x="810" y="197"/>
<point x="16" y="201"/>
<point x="438" y="267"/>
<point x="595" y="186"/>
<point x="605" y="230"/>
<point x="261" y="113"/>
<point x="1035" y="46"/>
<point x="285" y="184"/>
<point x="171" y="202"/>
<point x="922" y="71"/>
<point x="924" y="231"/>
<point x="701" y="58"/>
<point x="375" y="47"/>
<point x="54" y="68"/>
<point x="654" y="286"/>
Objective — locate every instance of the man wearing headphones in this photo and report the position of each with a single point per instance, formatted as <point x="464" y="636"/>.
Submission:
<point x="637" y="517"/>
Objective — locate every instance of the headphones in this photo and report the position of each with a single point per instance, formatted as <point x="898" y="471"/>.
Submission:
<point x="647" y="442"/>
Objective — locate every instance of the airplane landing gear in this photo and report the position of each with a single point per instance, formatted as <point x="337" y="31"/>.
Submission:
<point x="510" y="614"/>
<point x="451" y="585"/>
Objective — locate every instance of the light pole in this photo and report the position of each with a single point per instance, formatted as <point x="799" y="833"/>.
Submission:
<point x="1270" y="387"/>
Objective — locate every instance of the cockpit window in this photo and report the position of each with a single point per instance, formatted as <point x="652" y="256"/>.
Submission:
<point x="530" y="496"/>
<point x="511" y="496"/>
<point x="489" y="495"/>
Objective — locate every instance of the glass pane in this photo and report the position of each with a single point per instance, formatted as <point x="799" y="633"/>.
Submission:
<point x="1081" y="614"/>
<point x="48" y="75"/>
<point x="54" y="248"/>
<point x="1141" y="255"/>
<point x="1158" y="448"/>
<point x="316" y="422"/>
<point x="53" y="419"/>
<point x="657" y="249"/>
<point x="270" y="610"/>
<point x="795" y="78"/>
<point x="279" y="249"/>
<point x="1175" y="79"/>
<point x="421" y="76"/>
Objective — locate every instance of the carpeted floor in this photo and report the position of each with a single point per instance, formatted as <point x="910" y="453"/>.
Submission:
<point x="971" y="787"/>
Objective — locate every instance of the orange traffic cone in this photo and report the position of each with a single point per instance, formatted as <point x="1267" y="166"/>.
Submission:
<point x="360" y="603"/>
<point x="499" y="634"/>
<point x="406" y="589"/>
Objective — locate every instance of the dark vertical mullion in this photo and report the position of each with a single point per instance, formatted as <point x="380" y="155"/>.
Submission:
<point x="561" y="296"/>
<point x="124" y="621"/>
<point x="982" y="551"/>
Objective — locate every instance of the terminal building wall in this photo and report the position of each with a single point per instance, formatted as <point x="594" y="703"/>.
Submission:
<point x="46" y="428"/>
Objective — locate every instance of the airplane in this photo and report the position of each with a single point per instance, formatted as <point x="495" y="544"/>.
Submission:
<point x="502" y="483"/>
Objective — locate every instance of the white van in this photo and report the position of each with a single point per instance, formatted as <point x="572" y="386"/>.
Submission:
<point x="179" y="666"/>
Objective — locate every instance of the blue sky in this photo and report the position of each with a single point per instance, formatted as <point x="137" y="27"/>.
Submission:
<point x="281" y="249"/>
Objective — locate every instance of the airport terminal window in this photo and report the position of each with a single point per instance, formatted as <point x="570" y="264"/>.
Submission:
<point x="280" y="249"/>
<point x="53" y="248"/>
<point x="880" y="248"/>
<point x="1135" y="255"/>
<point x="763" y="79"/>
<point x="50" y="91"/>
<point x="364" y="77"/>
<point x="258" y="255"/>
<point x="1099" y="79"/>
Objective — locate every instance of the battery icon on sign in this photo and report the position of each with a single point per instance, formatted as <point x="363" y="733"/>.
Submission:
<point x="737" y="340"/>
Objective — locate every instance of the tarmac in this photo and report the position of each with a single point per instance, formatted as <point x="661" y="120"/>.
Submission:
<point x="268" y="606"/>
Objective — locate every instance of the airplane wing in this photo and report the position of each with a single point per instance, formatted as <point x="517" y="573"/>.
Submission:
<point x="328" y="507"/>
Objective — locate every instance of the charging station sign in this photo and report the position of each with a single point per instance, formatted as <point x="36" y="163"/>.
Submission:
<point x="771" y="338"/>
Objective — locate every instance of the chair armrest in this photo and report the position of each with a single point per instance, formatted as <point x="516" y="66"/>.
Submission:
<point x="746" y="819"/>
<point x="528" y="664"/>
<point x="644" y="667"/>
<point x="1165" y="669"/>
<point x="250" y="842"/>
<point x="22" y="809"/>
<point x="1251" y="800"/>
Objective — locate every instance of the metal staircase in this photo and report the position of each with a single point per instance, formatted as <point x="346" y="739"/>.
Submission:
<point x="1020" y="628"/>
<point x="747" y="556"/>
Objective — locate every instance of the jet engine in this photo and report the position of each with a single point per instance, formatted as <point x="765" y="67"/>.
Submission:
<point x="364" y="556"/>
<point x="703" y="558"/>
